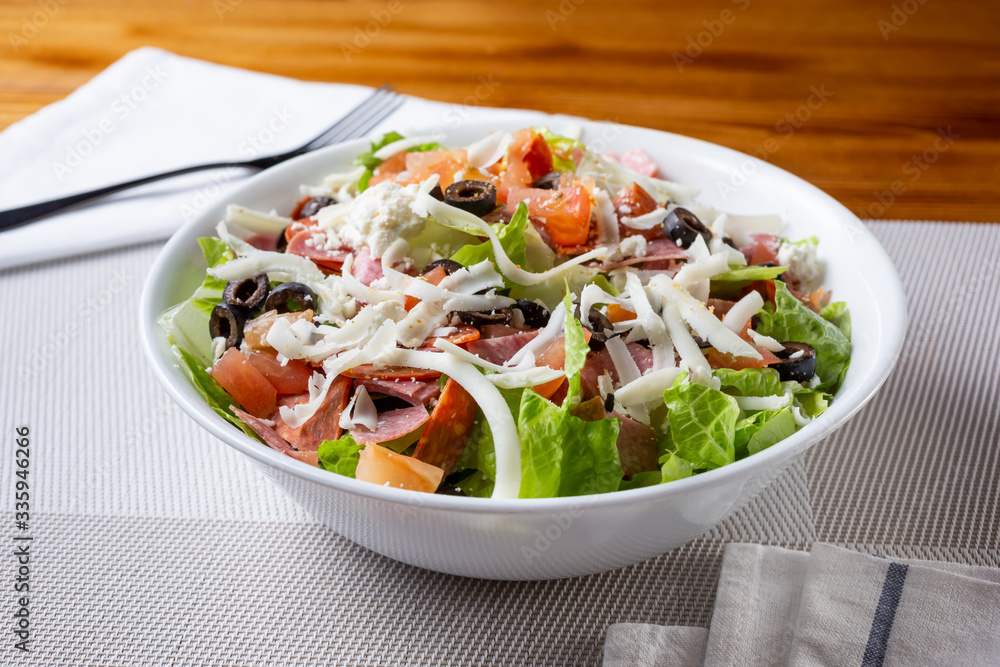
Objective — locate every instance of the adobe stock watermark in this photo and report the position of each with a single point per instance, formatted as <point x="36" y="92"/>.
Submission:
<point x="565" y="9"/>
<point x="899" y="17"/>
<point x="32" y="24"/>
<point x="87" y="311"/>
<point x="786" y="127"/>
<point x="251" y="147"/>
<point x="120" y="110"/>
<point x="552" y="533"/>
<point x="363" y="36"/>
<point x="223" y="7"/>
<point x="914" y="168"/>
<point x="697" y="44"/>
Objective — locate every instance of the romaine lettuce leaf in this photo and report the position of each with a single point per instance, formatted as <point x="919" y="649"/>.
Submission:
<point x="790" y="320"/>
<point x="702" y="424"/>
<point x="511" y="238"/>
<point x="763" y="429"/>
<point x="750" y="381"/>
<point x="750" y="273"/>
<point x="812" y="402"/>
<point x="674" y="467"/>
<point x="641" y="479"/>
<point x="562" y="455"/>
<point x="186" y="324"/>
<point x="576" y="348"/>
<point x="837" y="314"/>
<point x="340" y="456"/>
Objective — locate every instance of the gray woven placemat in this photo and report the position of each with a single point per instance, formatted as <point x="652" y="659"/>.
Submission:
<point x="155" y="544"/>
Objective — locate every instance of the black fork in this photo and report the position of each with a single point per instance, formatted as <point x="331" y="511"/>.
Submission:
<point x="355" y="123"/>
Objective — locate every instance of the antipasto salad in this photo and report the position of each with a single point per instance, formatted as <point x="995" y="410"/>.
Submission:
<point x="517" y="318"/>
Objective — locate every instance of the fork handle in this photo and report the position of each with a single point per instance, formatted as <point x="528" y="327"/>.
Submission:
<point x="19" y="216"/>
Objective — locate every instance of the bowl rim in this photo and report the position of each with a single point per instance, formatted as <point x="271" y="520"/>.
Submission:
<point x="890" y="340"/>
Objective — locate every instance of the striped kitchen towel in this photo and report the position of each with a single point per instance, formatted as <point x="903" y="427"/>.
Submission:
<point x="830" y="607"/>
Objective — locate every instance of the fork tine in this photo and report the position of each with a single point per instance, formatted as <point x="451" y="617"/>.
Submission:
<point x="371" y="104"/>
<point x="364" y="124"/>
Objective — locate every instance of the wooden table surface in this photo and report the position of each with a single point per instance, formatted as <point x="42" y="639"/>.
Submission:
<point x="891" y="107"/>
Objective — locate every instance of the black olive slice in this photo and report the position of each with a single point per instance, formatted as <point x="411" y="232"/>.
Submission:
<point x="480" y="318"/>
<point x="609" y="403"/>
<point x="313" y="206"/>
<point x="290" y="297"/>
<point x="437" y="193"/>
<point x="476" y="197"/>
<point x="227" y="322"/>
<point x="598" y="341"/>
<point x="702" y="343"/>
<point x="683" y="227"/>
<point x="549" y="181"/>
<point x="450" y="266"/>
<point x="599" y="322"/>
<point x="282" y="243"/>
<point x="535" y="315"/>
<point x="248" y="293"/>
<point x="798" y="362"/>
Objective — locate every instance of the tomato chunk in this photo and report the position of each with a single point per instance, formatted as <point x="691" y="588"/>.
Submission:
<point x="444" y="163"/>
<point x="292" y="378"/>
<point x="385" y="467"/>
<point x="245" y="384"/>
<point x="564" y="212"/>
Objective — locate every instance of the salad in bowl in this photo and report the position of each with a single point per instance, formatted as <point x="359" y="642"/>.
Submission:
<point x="520" y="317"/>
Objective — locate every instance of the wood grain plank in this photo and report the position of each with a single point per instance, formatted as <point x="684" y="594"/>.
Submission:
<point x="730" y="72"/>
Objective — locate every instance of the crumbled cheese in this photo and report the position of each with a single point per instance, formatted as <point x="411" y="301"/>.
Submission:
<point x="804" y="268"/>
<point x="633" y="246"/>
<point x="380" y="215"/>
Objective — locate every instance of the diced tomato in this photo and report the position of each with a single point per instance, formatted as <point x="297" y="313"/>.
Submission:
<point x="633" y="201"/>
<point x="292" y="378"/>
<point x="245" y="384"/>
<point x="444" y="163"/>
<point x="565" y="212"/>
<point x="554" y="356"/>
<point x="385" y="467"/>
<point x="464" y="334"/>
<point x="389" y="169"/>
<point x="434" y="277"/>
<point x="618" y="314"/>
<point x="256" y="329"/>
<point x="528" y="158"/>
<point x="449" y="428"/>
<point x="302" y="244"/>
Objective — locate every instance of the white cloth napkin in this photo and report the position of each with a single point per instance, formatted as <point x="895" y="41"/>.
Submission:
<point x="829" y="607"/>
<point x="153" y="111"/>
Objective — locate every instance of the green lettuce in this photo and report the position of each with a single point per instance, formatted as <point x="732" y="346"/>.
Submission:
<point x="790" y="320"/>
<point x="340" y="456"/>
<point x="511" y="238"/>
<point x="750" y="381"/>
<point x="673" y="467"/>
<point x="186" y="324"/>
<point x="562" y="455"/>
<point x="562" y="149"/>
<point x="576" y="349"/>
<point x="217" y="398"/>
<point x="750" y="273"/>
<point x="640" y="480"/>
<point x="702" y="424"/>
<point x="370" y="162"/>
<point x="762" y="429"/>
<point x="837" y="314"/>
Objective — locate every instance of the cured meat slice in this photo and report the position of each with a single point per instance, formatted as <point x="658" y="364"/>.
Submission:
<point x="272" y="439"/>
<point x="448" y="429"/>
<point x="417" y="392"/>
<point x="400" y="427"/>
<point x="499" y="349"/>
<point x="323" y="425"/>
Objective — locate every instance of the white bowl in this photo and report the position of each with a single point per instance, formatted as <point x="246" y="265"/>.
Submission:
<point x="560" y="537"/>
